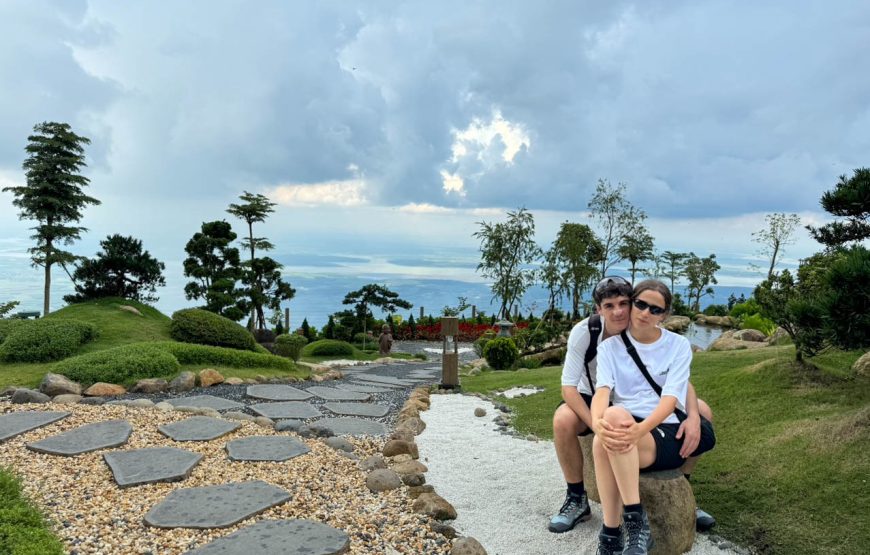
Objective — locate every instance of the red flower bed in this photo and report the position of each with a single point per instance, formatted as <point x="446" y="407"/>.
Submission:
<point x="468" y="332"/>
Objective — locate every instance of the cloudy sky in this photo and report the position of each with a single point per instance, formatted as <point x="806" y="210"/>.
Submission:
<point x="385" y="130"/>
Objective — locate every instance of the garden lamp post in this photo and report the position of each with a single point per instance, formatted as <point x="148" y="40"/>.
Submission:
<point x="450" y="361"/>
<point x="504" y="328"/>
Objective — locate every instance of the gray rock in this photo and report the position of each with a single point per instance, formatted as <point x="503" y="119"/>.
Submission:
<point x="350" y="426"/>
<point x="265" y="448"/>
<point x="198" y="428"/>
<point x="340" y="444"/>
<point x="351" y="456"/>
<point x="150" y="385"/>
<point x="148" y="466"/>
<point x="92" y="401"/>
<point x="358" y="409"/>
<point x="298" y="410"/>
<point x="362" y="388"/>
<point x="23" y="395"/>
<point x="8" y="391"/>
<point x="67" y="399"/>
<point x="288" y="425"/>
<point x="372" y="463"/>
<point x="238" y="415"/>
<point x="164" y="406"/>
<point x="383" y="479"/>
<point x="277" y="393"/>
<point x="55" y="384"/>
<point x="183" y="382"/>
<point x="444" y="529"/>
<point x="15" y="423"/>
<point x="313" y="430"/>
<point x="467" y="546"/>
<point x="415" y="479"/>
<point x="215" y="506"/>
<point x="334" y="394"/>
<point x="280" y="537"/>
<point x="205" y="401"/>
<point x="137" y="403"/>
<point x="264" y="422"/>
<point x="480" y="411"/>
<point x="85" y="439"/>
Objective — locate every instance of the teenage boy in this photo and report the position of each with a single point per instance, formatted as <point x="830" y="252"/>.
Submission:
<point x="612" y="297"/>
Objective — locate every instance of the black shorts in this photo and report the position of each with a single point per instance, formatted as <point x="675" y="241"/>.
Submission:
<point x="588" y="399"/>
<point x="668" y="446"/>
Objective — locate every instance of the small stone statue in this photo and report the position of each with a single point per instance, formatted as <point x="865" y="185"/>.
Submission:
<point x="385" y="341"/>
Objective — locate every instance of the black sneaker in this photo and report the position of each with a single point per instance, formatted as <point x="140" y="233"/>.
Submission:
<point x="703" y="520"/>
<point x="609" y="545"/>
<point x="638" y="537"/>
<point x="574" y="509"/>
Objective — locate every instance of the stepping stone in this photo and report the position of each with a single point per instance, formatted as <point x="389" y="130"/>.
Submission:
<point x="347" y="426"/>
<point x="333" y="394"/>
<point x="265" y="448"/>
<point x="280" y="537"/>
<point x="390" y="387"/>
<point x="85" y="439"/>
<point x="215" y="506"/>
<point x="16" y="423"/>
<point x="147" y="466"/>
<point x="277" y="393"/>
<point x="360" y="388"/>
<point x="288" y="409"/>
<point x="205" y="401"/>
<point x="383" y="379"/>
<point x="199" y="428"/>
<point x="358" y="409"/>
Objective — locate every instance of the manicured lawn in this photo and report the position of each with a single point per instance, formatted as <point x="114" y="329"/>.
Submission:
<point x="23" y="529"/>
<point x="791" y="468"/>
<point x="357" y="355"/>
<point x="117" y="327"/>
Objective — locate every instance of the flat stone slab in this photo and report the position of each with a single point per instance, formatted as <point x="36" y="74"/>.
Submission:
<point x="277" y="392"/>
<point x="147" y="466"/>
<point x="199" y="428"/>
<point x="215" y="506"/>
<point x="391" y="387"/>
<point x="363" y="388"/>
<point x="265" y="448"/>
<point x="280" y="537"/>
<point x="205" y="401"/>
<point x="348" y="426"/>
<point x="16" y="423"/>
<point x="85" y="439"/>
<point x="383" y="379"/>
<point x="358" y="409"/>
<point x="298" y="410"/>
<point x="333" y="394"/>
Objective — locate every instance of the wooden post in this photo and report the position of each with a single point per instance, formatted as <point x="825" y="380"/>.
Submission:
<point x="421" y="313"/>
<point x="449" y="361"/>
<point x="474" y="312"/>
<point x="287" y="320"/>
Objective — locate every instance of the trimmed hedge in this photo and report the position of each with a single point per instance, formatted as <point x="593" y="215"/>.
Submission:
<point x="119" y="365"/>
<point x="194" y="325"/>
<point x="7" y="325"/>
<point x="501" y="353"/>
<point x="222" y="356"/>
<point x="328" y="348"/>
<point x="45" y="340"/>
<point x="290" y="345"/>
<point x="23" y="529"/>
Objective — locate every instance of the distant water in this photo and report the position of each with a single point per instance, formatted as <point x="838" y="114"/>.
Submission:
<point x="702" y="336"/>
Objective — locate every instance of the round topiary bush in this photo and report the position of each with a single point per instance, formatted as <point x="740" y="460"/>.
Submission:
<point x="290" y="345"/>
<point x="119" y="365"/>
<point x="481" y="342"/>
<point x="45" y="339"/>
<point x="360" y="337"/>
<point x="501" y="353"/>
<point x="194" y="325"/>
<point x="328" y="348"/>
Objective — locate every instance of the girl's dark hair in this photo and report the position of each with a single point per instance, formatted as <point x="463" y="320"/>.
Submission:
<point x="658" y="287"/>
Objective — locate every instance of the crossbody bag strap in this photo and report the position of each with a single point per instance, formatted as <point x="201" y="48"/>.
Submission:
<point x="632" y="352"/>
<point x="594" y="326"/>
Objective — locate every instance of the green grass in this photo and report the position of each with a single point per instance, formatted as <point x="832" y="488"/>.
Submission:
<point x="117" y="327"/>
<point x="357" y="355"/>
<point x="23" y="529"/>
<point x="791" y="467"/>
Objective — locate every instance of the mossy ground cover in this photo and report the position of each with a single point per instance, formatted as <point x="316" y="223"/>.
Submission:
<point x="23" y="529"/>
<point x="791" y="469"/>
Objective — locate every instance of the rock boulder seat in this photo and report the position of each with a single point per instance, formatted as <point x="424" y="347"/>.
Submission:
<point x="668" y="499"/>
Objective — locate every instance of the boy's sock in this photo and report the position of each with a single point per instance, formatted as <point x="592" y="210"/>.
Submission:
<point x="576" y="489"/>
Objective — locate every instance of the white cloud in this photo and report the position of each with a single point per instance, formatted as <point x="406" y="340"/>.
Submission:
<point x="350" y="192"/>
<point x="453" y="183"/>
<point x="476" y="139"/>
<point x="424" y="208"/>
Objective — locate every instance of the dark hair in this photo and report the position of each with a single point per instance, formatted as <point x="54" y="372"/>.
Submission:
<point x="658" y="287"/>
<point x="611" y="286"/>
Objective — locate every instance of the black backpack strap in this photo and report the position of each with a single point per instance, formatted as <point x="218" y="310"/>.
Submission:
<point x="594" y="325"/>
<point x="632" y="352"/>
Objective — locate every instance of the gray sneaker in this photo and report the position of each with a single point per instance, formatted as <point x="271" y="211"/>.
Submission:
<point x="703" y="520"/>
<point x="574" y="510"/>
<point x="609" y="545"/>
<point x="638" y="540"/>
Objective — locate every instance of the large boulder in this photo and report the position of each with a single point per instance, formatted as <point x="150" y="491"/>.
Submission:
<point x="398" y="447"/>
<point x="151" y="385"/>
<point x="727" y="342"/>
<point x="467" y="546"/>
<point x="749" y="335"/>
<point x="554" y="355"/>
<point x="66" y="399"/>
<point x="722" y="321"/>
<point x="103" y="389"/>
<point x="434" y="505"/>
<point x="677" y="324"/>
<point x="23" y="395"/>
<point x="779" y="337"/>
<point x="383" y="479"/>
<point x="209" y="377"/>
<point x="667" y="497"/>
<point x="183" y="382"/>
<point x="862" y="365"/>
<point x="55" y="384"/>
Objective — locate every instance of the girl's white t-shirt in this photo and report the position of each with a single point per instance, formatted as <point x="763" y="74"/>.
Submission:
<point x="667" y="360"/>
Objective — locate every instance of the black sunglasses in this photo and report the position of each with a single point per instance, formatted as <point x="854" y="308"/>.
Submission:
<point x="653" y="309"/>
<point x="615" y="281"/>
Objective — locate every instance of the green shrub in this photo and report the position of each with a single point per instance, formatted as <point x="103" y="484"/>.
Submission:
<point x="194" y="325"/>
<point x="45" y="340"/>
<point x="758" y="322"/>
<point x="23" y="530"/>
<point x="360" y="337"/>
<point x="119" y="365"/>
<point x="290" y="345"/>
<point x="716" y="310"/>
<point x="7" y="325"/>
<point x="328" y="348"/>
<point x="421" y="356"/>
<point x="745" y="309"/>
<point x="529" y="363"/>
<point x="481" y="342"/>
<point x="187" y="353"/>
<point x="501" y="353"/>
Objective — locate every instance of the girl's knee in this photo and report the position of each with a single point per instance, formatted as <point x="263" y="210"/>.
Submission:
<point x="617" y="416"/>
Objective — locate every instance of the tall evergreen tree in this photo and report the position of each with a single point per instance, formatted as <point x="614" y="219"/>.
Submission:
<point x="637" y="246"/>
<point x="215" y="266"/>
<point x="374" y="295"/>
<point x="700" y="273"/>
<point x="674" y="265"/>
<point x="120" y="269"/>
<point x="849" y="199"/>
<point x="53" y="195"/>
<point x="577" y="254"/>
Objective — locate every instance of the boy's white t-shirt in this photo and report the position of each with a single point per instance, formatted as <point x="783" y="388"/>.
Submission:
<point x="574" y="371"/>
<point x="667" y="360"/>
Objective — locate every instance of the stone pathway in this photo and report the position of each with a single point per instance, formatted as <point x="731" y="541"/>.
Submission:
<point x="225" y="505"/>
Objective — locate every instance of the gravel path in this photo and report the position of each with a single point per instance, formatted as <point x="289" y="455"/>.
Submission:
<point x="504" y="488"/>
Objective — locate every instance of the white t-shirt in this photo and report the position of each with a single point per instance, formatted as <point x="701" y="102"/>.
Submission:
<point x="574" y="371"/>
<point x="667" y="360"/>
